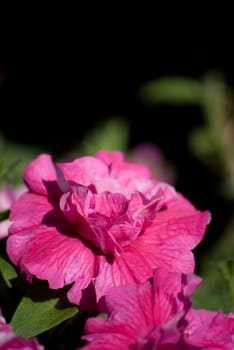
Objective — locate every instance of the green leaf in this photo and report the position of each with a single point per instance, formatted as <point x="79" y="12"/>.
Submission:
<point x="4" y="214"/>
<point x="226" y="268"/>
<point x="40" y="310"/>
<point x="201" y="142"/>
<point x="171" y="90"/>
<point x="8" y="272"/>
<point x="109" y="134"/>
<point x="14" y="158"/>
<point x="212" y="293"/>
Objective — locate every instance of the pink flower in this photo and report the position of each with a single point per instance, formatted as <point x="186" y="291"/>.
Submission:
<point x="158" y="314"/>
<point x="145" y="316"/>
<point x="210" y="330"/>
<point x="7" y="196"/>
<point x="100" y="221"/>
<point x="10" y="341"/>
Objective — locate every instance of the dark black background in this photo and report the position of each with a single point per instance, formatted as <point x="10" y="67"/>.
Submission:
<point x="67" y="66"/>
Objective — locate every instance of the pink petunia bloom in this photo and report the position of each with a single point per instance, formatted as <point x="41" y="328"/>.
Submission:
<point x="158" y="314"/>
<point x="7" y="196"/>
<point x="10" y="341"/>
<point x="100" y="221"/>
<point x="146" y="316"/>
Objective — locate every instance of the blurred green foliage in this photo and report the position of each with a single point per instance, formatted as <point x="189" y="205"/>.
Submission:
<point x="213" y="144"/>
<point x="174" y="89"/>
<point x="13" y="159"/>
<point x="111" y="133"/>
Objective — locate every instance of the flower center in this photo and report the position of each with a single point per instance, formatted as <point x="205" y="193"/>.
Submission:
<point x="111" y="221"/>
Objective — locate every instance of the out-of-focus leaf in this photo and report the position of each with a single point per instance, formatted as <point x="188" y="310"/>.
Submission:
<point x="4" y="214"/>
<point x="216" y="269"/>
<point x="110" y="134"/>
<point x="14" y="158"/>
<point x="40" y="310"/>
<point x="7" y="270"/>
<point x="212" y="293"/>
<point x="171" y="90"/>
<point x="1" y="165"/>
<point x="226" y="268"/>
<point x="201" y="142"/>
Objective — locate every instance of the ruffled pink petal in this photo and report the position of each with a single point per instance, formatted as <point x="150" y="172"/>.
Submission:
<point x="146" y="314"/>
<point x="6" y="331"/>
<point x="133" y="181"/>
<point x="29" y="211"/>
<point x="182" y="262"/>
<point x="137" y="264"/>
<point x="84" y="170"/>
<point x="15" y="245"/>
<point x="19" y="343"/>
<point x="110" y="204"/>
<point x="109" y="341"/>
<point x="190" y="283"/>
<point x="208" y="329"/>
<point x="230" y="324"/>
<point x="121" y="169"/>
<point x="115" y="324"/>
<point x="180" y="222"/>
<point x="130" y="266"/>
<point x="181" y="208"/>
<point x="169" y="294"/>
<point x="218" y="333"/>
<point x="111" y="274"/>
<point x="166" y="287"/>
<point x="168" y="241"/>
<point x="52" y="256"/>
<point x="40" y="176"/>
<point x="129" y="309"/>
<point x="172" y="260"/>
<point x="184" y="232"/>
<point x="81" y="292"/>
<point x="10" y="341"/>
<point x="111" y="185"/>
<point x="162" y="336"/>
<point x="133" y="176"/>
<point x="110" y="157"/>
